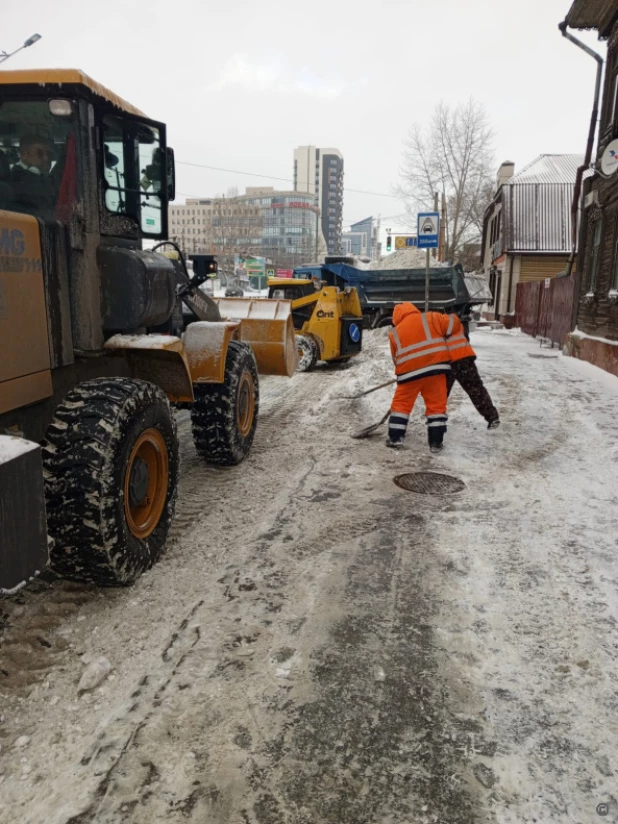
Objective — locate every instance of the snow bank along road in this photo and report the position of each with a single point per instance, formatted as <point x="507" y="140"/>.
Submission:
<point x="321" y="646"/>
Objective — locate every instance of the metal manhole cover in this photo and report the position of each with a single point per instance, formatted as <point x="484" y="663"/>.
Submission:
<point x="429" y="483"/>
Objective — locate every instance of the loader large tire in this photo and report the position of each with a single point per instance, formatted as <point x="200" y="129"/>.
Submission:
<point x="308" y="353"/>
<point x="111" y="473"/>
<point x="224" y="415"/>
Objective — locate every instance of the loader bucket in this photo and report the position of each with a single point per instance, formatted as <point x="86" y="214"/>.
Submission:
<point x="266" y="325"/>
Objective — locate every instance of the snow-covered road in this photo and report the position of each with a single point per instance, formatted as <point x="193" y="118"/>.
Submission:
<point x="320" y="646"/>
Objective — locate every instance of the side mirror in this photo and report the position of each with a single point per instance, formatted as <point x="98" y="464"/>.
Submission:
<point x="171" y="175"/>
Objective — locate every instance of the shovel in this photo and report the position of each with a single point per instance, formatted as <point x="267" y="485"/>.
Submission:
<point x="366" y="392"/>
<point x="368" y="430"/>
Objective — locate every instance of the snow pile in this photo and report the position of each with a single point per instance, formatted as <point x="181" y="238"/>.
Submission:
<point x="578" y="334"/>
<point x="12" y="447"/>
<point x="404" y="259"/>
<point x="140" y="341"/>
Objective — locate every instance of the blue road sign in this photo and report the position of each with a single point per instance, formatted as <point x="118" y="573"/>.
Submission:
<point x="405" y="241"/>
<point x="428" y="230"/>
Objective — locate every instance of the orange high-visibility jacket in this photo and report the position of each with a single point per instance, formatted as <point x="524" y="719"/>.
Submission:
<point x="458" y="344"/>
<point x="418" y="343"/>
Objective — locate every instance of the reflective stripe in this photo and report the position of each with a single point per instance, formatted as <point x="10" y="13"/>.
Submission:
<point x="398" y="426"/>
<point x="458" y="345"/>
<point x="396" y="337"/>
<point x="437" y="424"/>
<point x="437" y="417"/>
<point x="400" y="360"/>
<point x="426" y="326"/>
<point x="451" y="323"/>
<point x="436" y="369"/>
<point x="400" y="415"/>
<point x="417" y="346"/>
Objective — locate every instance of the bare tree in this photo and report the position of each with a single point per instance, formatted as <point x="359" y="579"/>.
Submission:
<point x="236" y="229"/>
<point x="453" y="157"/>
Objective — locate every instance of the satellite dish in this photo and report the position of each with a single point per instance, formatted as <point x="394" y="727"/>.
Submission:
<point x="609" y="159"/>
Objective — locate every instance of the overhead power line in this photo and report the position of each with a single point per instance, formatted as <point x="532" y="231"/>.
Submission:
<point x="274" y="177"/>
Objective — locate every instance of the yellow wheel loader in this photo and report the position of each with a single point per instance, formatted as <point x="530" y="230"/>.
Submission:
<point x="93" y="341"/>
<point x="328" y="322"/>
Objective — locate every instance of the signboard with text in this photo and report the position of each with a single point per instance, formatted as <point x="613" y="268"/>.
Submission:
<point x="428" y="230"/>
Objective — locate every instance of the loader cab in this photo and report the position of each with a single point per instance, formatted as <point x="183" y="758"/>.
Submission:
<point x="72" y="151"/>
<point x="97" y="175"/>
<point x="289" y="289"/>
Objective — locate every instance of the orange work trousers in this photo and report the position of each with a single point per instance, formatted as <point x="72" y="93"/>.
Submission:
<point x="433" y="392"/>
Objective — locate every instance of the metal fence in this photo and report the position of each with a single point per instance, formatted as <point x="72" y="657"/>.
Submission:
<point x="545" y="308"/>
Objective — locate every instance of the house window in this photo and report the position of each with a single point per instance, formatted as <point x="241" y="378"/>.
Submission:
<point x="614" y="282"/>
<point x="613" y="102"/>
<point x="595" y="257"/>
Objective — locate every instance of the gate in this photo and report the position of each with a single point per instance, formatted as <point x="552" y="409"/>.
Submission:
<point x="545" y="308"/>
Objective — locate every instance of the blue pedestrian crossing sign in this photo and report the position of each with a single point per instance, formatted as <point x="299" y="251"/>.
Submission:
<point x="428" y="230"/>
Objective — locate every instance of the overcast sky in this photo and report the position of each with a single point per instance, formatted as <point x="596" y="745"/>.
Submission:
<point x="240" y="84"/>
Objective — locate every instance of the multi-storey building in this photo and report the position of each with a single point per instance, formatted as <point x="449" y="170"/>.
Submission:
<point x="319" y="172"/>
<point x="282" y="226"/>
<point x="359" y="240"/>
<point x="216" y="225"/>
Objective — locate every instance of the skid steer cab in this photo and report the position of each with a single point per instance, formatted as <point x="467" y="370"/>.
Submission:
<point x="328" y="322"/>
<point x="94" y="340"/>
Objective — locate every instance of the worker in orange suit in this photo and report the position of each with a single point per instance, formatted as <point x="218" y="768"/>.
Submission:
<point x="422" y="361"/>
<point x="464" y="371"/>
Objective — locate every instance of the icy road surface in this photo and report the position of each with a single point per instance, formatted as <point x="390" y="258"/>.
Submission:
<point x="320" y="647"/>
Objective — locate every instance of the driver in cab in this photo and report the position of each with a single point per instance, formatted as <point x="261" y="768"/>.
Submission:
<point x="33" y="189"/>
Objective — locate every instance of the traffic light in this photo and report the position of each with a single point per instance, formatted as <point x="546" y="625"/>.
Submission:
<point x="389" y="243"/>
<point x="204" y="266"/>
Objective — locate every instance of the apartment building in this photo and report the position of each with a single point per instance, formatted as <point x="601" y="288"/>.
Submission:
<point x="319" y="172"/>
<point x="213" y="225"/>
<point x="282" y="226"/>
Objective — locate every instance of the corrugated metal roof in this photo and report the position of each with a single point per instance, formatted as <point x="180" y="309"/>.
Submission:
<point x="591" y="14"/>
<point x="549" y="168"/>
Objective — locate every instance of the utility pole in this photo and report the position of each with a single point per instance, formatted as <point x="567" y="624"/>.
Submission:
<point x="29" y="42"/>
<point x="441" y="249"/>
<point x="428" y="259"/>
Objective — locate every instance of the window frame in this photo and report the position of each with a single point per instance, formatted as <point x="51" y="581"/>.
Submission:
<point x="29" y="94"/>
<point x="131" y="123"/>
<point x="595" y="254"/>
<point x="613" y="280"/>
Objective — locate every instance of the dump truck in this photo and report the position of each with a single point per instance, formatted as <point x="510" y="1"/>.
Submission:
<point x="451" y="289"/>
<point x="328" y="321"/>
<point x="93" y="339"/>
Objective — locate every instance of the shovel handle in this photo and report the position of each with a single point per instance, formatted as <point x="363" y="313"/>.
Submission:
<point x="373" y="389"/>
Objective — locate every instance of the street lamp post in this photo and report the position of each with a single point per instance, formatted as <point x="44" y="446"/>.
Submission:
<point x="29" y="42"/>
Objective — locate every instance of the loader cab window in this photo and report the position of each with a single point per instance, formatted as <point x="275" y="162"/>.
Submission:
<point x="133" y="172"/>
<point x="38" y="158"/>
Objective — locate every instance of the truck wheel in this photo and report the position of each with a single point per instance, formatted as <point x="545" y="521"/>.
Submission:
<point x="308" y="353"/>
<point x="224" y="415"/>
<point x="111" y="471"/>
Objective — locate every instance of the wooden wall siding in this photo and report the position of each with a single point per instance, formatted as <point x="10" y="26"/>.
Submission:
<point x="599" y="315"/>
<point x="539" y="267"/>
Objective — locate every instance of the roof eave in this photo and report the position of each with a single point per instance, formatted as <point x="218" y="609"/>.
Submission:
<point x="597" y="15"/>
